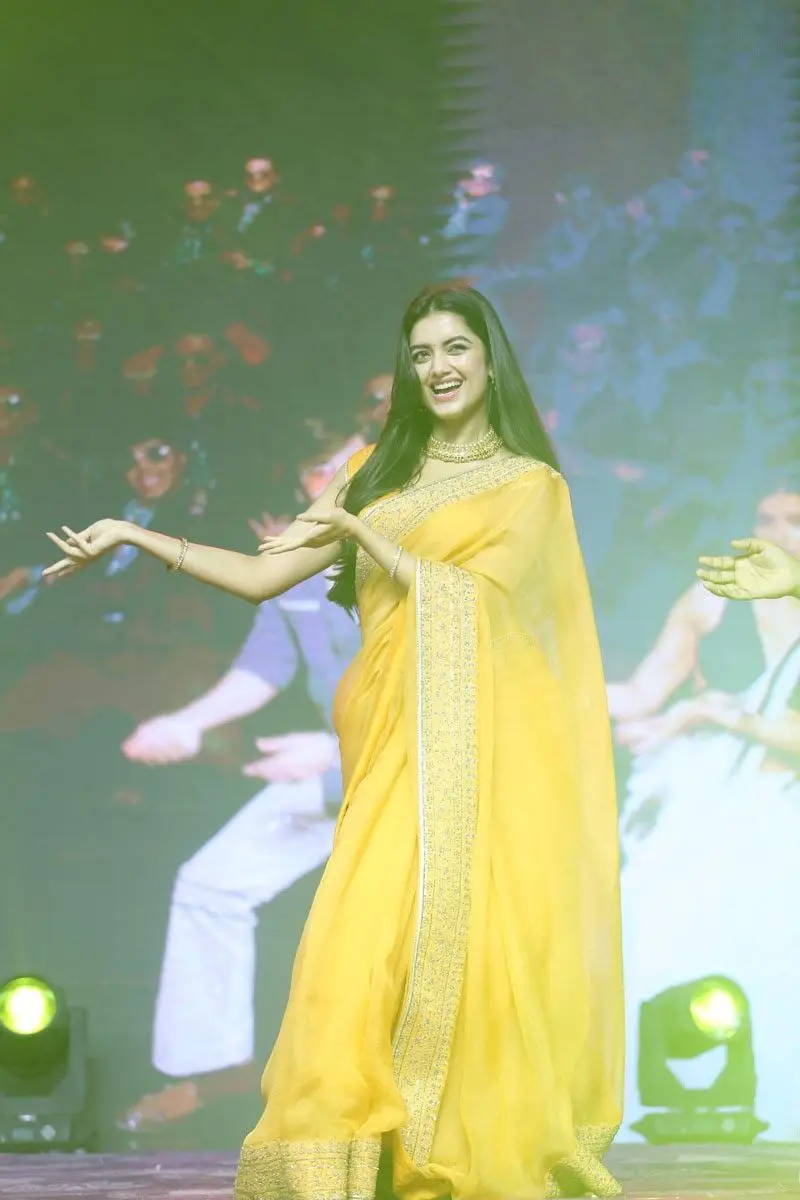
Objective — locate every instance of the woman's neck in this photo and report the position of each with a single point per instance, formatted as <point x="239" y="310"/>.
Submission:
<point x="471" y="429"/>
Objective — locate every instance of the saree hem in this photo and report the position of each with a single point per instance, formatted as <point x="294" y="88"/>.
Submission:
<point x="324" y="1170"/>
<point x="583" y="1172"/>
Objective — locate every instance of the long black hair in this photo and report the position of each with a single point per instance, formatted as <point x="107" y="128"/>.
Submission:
<point x="398" y="454"/>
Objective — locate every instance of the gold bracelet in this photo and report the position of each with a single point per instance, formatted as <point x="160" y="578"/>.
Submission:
<point x="395" y="564"/>
<point x="177" y="566"/>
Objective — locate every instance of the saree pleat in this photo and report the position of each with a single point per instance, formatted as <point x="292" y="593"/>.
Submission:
<point x="457" y="991"/>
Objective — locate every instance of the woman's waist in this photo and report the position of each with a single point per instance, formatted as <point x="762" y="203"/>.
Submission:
<point x="374" y="673"/>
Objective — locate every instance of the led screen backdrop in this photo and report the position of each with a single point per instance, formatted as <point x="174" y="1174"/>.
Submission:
<point x="210" y="225"/>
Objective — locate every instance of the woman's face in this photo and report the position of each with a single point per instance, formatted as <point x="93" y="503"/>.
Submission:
<point x="450" y="361"/>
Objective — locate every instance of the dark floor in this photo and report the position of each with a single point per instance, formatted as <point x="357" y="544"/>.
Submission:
<point x="661" y="1173"/>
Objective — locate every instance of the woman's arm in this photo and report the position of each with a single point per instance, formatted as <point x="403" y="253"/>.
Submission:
<point x="383" y="553"/>
<point x="251" y="577"/>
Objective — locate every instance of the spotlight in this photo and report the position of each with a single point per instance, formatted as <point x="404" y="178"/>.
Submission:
<point x="43" y="1050"/>
<point x="686" y="1022"/>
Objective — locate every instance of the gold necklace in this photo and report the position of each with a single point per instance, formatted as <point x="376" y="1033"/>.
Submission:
<point x="460" y="452"/>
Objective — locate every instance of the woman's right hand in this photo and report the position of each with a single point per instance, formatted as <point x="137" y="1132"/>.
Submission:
<point x="80" y="549"/>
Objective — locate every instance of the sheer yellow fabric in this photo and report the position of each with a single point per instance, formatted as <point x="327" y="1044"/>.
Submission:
<point x="457" y="992"/>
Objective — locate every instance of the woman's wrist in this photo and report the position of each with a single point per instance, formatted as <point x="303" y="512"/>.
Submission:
<point x="355" y="529"/>
<point x="127" y="532"/>
<point x="401" y="567"/>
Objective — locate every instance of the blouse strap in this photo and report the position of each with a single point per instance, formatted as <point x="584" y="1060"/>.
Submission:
<point x="356" y="461"/>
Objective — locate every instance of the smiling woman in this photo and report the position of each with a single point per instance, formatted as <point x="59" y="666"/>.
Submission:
<point x="457" y="992"/>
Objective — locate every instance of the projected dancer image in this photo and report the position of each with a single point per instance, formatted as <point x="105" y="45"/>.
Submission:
<point x="204" y="1032"/>
<point x="713" y="807"/>
<point x="457" y="993"/>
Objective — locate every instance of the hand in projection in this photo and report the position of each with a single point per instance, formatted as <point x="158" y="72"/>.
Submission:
<point x="267" y="525"/>
<point x="325" y="526"/>
<point x="82" y="548"/>
<point x="170" y="738"/>
<point x="623" y="703"/>
<point x="13" y="581"/>
<point x="293" y="756"/>
<point x="648" y="734"/>
<point x="762" y="571"/>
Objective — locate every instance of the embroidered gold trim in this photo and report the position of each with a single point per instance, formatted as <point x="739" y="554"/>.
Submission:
<point x="397" y="514"/>
<point x="583" y="1172"/>
<point x="447" y="769"/>
<point x="308" y="1171"/>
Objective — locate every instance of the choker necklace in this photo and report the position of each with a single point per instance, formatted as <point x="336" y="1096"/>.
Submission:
<point x="459" y="452"/>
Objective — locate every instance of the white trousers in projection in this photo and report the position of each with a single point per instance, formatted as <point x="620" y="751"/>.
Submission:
<point x="204" y="1018"/>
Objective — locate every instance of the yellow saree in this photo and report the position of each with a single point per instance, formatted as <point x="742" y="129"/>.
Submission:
<point x="457" y="992"/>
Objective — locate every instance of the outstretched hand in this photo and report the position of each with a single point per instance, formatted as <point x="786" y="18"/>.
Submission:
<point x="325" y="527"/>
<point x="762" y="571"/>
<point x="79" y="549"/>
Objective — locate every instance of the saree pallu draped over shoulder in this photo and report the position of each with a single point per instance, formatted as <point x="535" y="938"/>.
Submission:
<point x="457" y="992"/>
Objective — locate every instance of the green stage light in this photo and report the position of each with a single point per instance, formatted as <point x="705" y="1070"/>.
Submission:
<point x="686" y="1022"/>
<point x="44" y="1102"/>
<point x="27" y="1006"/>
<point x="718" y="1009"/>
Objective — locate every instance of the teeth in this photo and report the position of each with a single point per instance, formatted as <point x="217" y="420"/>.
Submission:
<point x="443" y="389"/>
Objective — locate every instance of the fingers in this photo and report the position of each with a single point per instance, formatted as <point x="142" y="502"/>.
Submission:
<point x="723" y="563"/>
<point x="716" y="576"/>
<point x="279" y="545"/>
<point x="269" y="744"/>
<point x="65" y="566"/>
<point x="78" y="539"/>
<point x="259" y="770"/>
<point x="714" y="588"/>
<point x="750" y="545"/>
<point x="318" y="518"/>
<point x="62" y="545"/>
<point x="726" y="591"/>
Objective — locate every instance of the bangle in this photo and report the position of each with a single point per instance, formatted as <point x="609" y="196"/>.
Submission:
<point x="177" y="566"/>
<point x="395" y="563"/>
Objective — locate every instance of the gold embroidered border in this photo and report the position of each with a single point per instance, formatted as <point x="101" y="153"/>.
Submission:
<point x="308" y="1171"/>
<point x="447" y="664"/>
<point x="399" y="513"/>
<point x="583" y="1172"/>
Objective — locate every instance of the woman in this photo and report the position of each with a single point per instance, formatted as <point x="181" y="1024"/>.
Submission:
<point x="457" y="992"/>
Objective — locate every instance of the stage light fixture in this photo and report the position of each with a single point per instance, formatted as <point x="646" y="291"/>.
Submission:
<point x="43" y="1060"/>
<point x="27" y="1005"/>
<point x="686" y="1022"/>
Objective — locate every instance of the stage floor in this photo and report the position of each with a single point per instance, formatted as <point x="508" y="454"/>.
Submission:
<point x="655" y="1173"/>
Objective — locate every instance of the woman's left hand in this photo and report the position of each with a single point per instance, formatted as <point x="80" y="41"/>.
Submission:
<point x="325" y="526"/>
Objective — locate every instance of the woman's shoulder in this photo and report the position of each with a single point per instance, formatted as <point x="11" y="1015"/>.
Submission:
<point x="525" y="466"/>
<point x="357" y="460"/>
